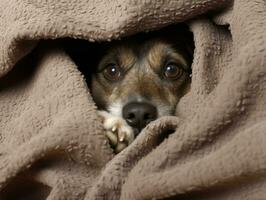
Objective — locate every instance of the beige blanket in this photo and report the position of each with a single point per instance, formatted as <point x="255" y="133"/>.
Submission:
<point x="52" y="144"/>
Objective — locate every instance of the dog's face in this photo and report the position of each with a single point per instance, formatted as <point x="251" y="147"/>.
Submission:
<point x="141" y="81"/>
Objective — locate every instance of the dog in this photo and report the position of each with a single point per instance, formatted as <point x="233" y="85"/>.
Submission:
<point x="140" y="79"/>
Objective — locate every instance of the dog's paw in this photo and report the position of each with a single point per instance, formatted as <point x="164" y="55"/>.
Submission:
<point x="118" y="132"/>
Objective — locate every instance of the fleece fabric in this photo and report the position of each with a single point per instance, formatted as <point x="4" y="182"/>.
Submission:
<point x="52" y="143"/>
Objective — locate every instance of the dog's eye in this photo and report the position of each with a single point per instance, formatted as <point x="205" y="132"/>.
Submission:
<point x="112" y="72"/>
<point x="172" y="71"/>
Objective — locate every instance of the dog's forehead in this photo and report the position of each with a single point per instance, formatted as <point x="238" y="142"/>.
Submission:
<point x="146" y="55"/>
<point x="150" y="51"/>
<point x="140" y="49"/>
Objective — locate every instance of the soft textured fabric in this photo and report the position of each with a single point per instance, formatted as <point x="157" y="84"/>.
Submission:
<point x="52" y="144"/>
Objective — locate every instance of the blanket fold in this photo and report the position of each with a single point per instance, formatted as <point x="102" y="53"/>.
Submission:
<point x="52" y="144"/>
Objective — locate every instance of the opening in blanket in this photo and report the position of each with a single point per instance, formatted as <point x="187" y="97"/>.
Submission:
<point x="137" y="79"/>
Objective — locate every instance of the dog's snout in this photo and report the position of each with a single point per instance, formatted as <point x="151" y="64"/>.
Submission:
<point x="138" y="115"/>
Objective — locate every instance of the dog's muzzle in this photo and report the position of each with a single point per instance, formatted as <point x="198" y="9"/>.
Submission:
<point x="138" y="115"/>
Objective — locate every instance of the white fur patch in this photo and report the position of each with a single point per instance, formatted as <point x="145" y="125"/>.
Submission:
<point x="111" y="121"/>
<point x="116" y="109"/>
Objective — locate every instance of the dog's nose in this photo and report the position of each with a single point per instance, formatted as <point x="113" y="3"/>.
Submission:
<point x="138" y="115"/>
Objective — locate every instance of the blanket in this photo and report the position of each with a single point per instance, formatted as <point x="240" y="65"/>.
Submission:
<point x="52" y="143"/>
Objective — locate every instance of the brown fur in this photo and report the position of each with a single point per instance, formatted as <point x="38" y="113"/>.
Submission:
<point x="142" y="62"/>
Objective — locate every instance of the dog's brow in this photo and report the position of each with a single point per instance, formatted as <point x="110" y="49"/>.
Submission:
<point x="160" y="53"/>
<point x="107" y="59"/>
<point x="178" y="58"/>
<point x="120" y="55"/>
<point x="126" y="58"/>
<point x="156" y="56"/>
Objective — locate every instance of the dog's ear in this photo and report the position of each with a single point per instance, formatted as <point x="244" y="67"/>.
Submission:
<point x="86" y="55"/>
<point x="182" y="39"/>
<point x="187" y="44"/>
<point x="179" y="36"/>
